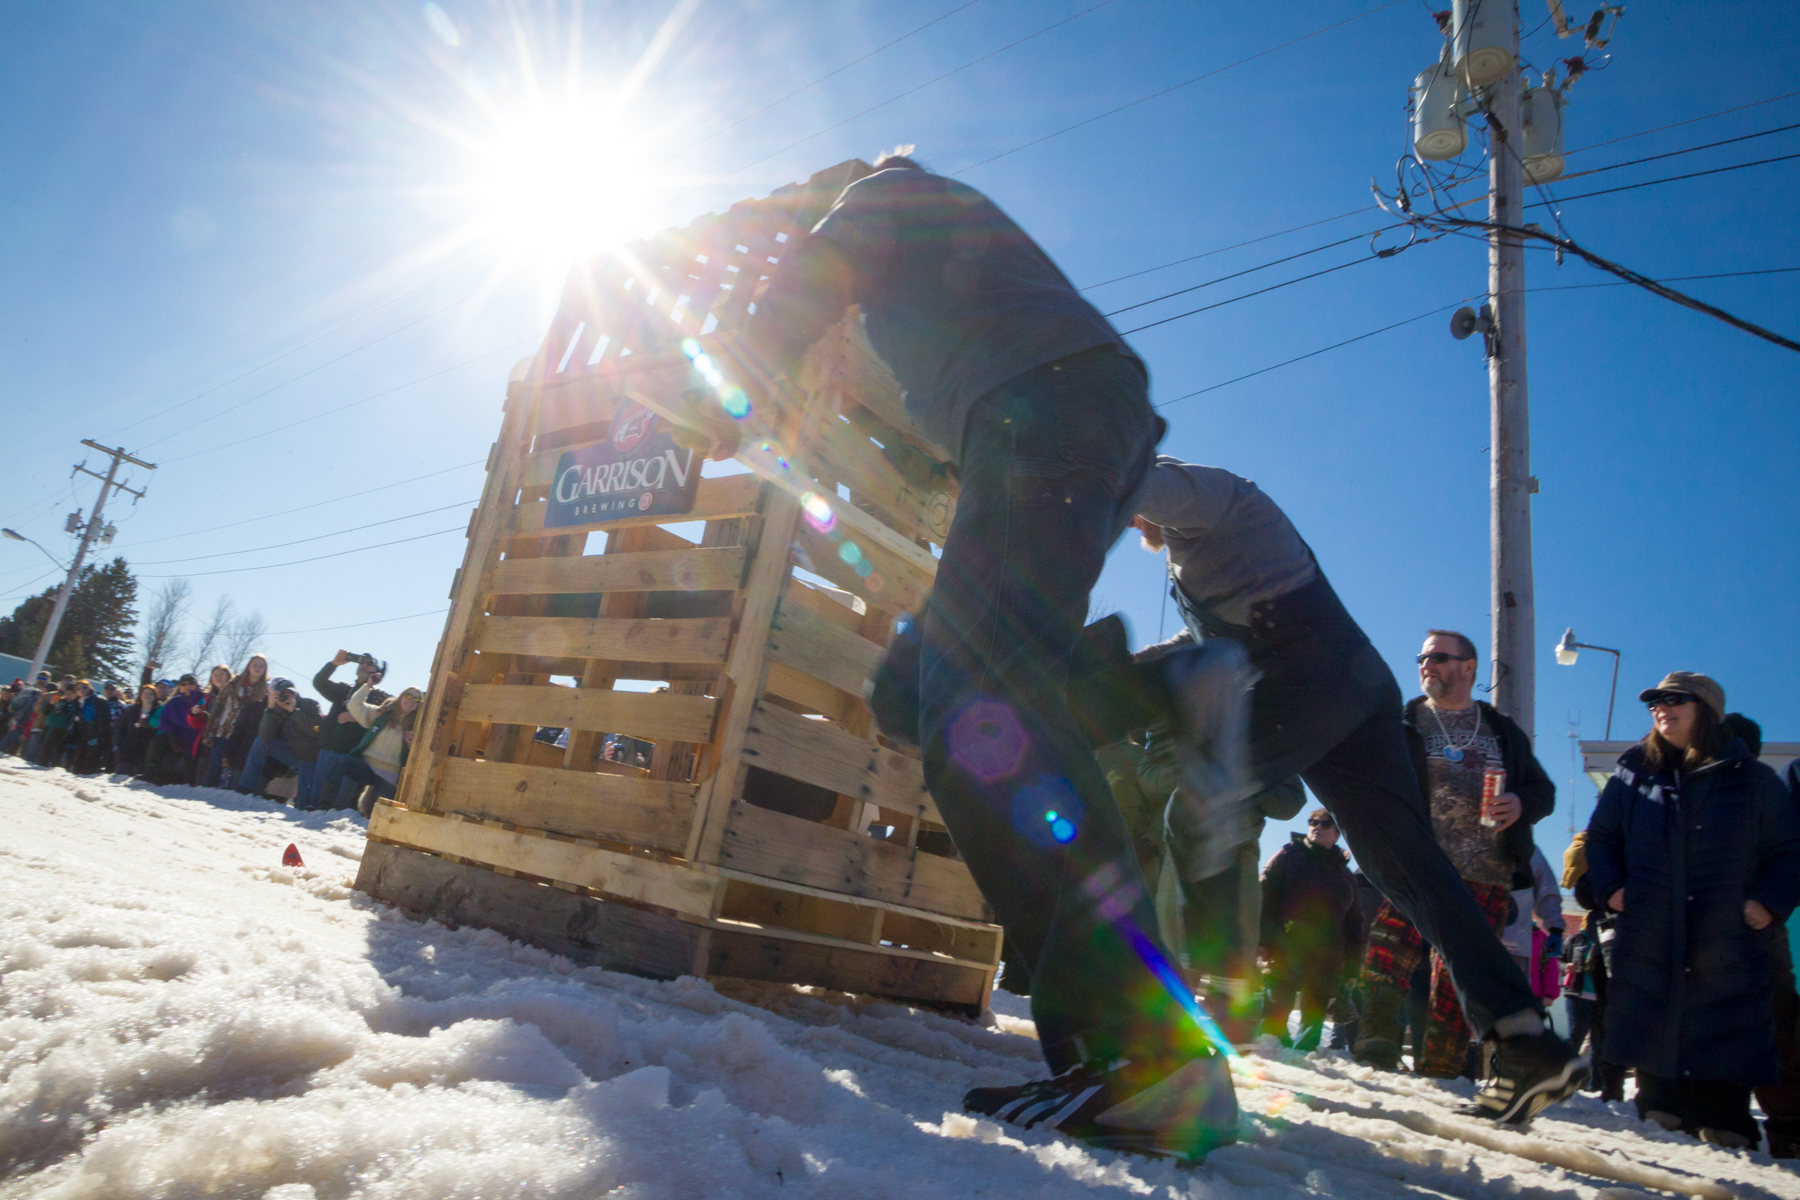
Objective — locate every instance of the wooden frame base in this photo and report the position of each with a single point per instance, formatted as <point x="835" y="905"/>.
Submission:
<point x="623" y="937"/>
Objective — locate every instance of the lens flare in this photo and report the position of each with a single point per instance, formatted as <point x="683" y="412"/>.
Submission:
<point x="850" y="552"/>
<point x="817" y="511"/>
<point x="987" y="740"/>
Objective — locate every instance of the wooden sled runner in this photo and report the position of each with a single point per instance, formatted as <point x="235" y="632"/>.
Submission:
<point x="743" y="819"/>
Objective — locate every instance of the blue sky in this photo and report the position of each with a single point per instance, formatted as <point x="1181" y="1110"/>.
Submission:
<point x="190" y="191"/>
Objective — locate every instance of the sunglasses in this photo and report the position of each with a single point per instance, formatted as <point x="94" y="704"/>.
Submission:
<point x="1322" y="824"/>
<point x="1439" y="658"/>
<point x="1668" y="700"/>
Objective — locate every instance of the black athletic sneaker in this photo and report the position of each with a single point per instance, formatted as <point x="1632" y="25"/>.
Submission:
<point x="1527" y="1075"/>
<point x="1182" y="1115"/>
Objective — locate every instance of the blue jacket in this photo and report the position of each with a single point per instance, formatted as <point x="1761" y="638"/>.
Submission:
<point x="1689" y="988"/>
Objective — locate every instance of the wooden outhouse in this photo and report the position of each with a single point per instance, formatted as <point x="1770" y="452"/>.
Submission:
<point x="720" y="804"/>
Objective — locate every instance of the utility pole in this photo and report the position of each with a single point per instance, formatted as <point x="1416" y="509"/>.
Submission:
<point x="108" y="484"/>
<point x="1510" y="483"/>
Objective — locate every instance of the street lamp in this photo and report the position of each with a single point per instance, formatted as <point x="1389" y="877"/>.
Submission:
<point x="15" y="536"/>
<point x="1567" y="653"/>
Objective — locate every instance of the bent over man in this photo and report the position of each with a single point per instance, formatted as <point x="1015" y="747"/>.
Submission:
<point x="1327" y="709"/>
<point x="1045" y="410"/>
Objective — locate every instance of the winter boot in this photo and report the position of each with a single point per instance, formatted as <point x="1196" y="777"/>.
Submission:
<point x="1784" y="1138"/>
<point x="1182" y="1114"/>
<point x="1378" y="1032"/>
<point x="1526" y="1074"/>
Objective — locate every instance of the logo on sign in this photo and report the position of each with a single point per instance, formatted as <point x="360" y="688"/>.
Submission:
<point x="638" y="471"/>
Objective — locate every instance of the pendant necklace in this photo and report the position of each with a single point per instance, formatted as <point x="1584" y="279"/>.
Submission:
<point x="1451" y="751"/>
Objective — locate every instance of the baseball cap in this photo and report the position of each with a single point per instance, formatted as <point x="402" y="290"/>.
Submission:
<point x="282" y="685"/>
<point x="186" y="679"/>
<point x="1701" y="687"/>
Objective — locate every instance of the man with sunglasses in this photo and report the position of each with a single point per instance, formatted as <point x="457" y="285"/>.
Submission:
<point x="1309" y="923"/>
<point x="1453" y="740"/>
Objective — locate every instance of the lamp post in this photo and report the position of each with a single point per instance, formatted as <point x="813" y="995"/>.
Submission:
<point x="1567" y="651"/>
<point x="13" y="535"/>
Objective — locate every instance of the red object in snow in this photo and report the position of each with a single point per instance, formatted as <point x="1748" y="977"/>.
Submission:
<point x="291" y="856"/>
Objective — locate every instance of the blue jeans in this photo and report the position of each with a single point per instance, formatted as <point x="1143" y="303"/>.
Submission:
<point x="261" y="751"/>
<point x="1051" y="461"/>
<point x="349" y="769"/>
<point x="215" y="762"/>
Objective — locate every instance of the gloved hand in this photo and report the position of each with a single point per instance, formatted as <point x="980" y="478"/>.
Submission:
<point x="1553" y="944"/>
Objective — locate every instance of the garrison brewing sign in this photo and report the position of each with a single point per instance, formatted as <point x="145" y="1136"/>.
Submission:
<point x="637" y="471"/>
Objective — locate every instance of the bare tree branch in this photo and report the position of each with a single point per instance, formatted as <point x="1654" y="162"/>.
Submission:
<point x="241" y="639"/>
<point x="159" y="635"/>
<point x="211" y="635"/>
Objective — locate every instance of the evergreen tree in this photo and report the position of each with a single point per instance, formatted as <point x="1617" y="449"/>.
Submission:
<point x="94" y="639"/>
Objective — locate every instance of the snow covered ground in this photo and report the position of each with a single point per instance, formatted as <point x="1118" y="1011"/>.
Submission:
<point x="181" y="1017"/>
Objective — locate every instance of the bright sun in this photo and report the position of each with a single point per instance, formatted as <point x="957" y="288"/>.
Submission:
<point x="558" y="183"/>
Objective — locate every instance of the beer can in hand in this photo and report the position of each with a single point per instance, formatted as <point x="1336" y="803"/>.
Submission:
<point x="1493" y="786"/>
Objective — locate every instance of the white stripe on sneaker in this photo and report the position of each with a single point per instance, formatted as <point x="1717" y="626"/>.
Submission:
<point x="1068" y="1110"/>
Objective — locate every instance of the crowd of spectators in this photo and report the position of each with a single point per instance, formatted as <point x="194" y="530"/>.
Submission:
<point x="239" y="730"/>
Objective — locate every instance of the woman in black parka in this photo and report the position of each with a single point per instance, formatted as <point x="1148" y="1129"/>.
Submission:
<point x="1696" y="845"/>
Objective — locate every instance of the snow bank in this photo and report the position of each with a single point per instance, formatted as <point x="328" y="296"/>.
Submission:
<point x="180" y="1016"/>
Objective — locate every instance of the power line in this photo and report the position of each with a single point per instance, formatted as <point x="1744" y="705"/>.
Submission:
<point x="1177" y="87"/>
<point x="1234" y="246"/>
<point x="399" y="387"/>
<point x="1574" y="175"/>
<point x="1443" y="309"/>
<point x="298" y="561"/>
<point x="1761" y="162"/>
<point x="436" y="612"/>
<point x="297" y="349"/>
<point x="1314" y="353"/>
<point x="315" y="370"/>
<point x="1258" y="292"/>
<point x="1246" y="271"/>
<point x="475" y="462"/>
<point x="909" y="91"/>
<point x="1690" y="121"/>
<point x="1635" y="162"/>
<point x="163" y="562"/>
<point x="815" y="83"/>
<point x="1574" y="287"/>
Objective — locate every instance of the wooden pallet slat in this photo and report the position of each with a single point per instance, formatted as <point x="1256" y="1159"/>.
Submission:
<point x="638" y="812"/>
<point x="594" y="710"/>
<point x="693" y="640"/>
<point x="679" y="570"/>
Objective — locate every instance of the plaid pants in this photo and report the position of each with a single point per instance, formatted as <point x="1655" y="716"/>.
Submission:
<point x="1395" y="952"/>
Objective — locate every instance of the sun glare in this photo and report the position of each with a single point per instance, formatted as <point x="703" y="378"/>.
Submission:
<point x="560" y="184"/>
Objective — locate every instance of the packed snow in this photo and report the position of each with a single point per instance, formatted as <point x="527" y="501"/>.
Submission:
<point x="180" y="1016"/>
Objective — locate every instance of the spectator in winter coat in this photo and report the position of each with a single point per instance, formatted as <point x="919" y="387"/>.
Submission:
<point x="172" y="757"/>
<point x="1538" y="906"/>
<point x="382" y="751"/>
<point x="1309" y="920"/>
<point x="137" y="728"/>
<point x="1453" y="739"/>
<point x="288" y="732"/>
<point x="58" y="709"/>
<point x="20" y="712"/>
<point x="342" y="733"/>
<point x="90" y="734"/>
<point x="221" y="710"/>
<point x="1696" y="845"/>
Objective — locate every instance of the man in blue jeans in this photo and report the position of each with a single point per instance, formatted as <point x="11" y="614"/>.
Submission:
<point x="1046" y="411"/>
<point x="288" y="732"/>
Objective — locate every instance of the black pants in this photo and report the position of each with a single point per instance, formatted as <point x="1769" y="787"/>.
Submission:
<point x="1700" y="1103"/>
<point x="1049" y="465"/>
<point x="1781" y="1101"/>
<point x="1299" y="969"/>
<point x="1328" y="710"/>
